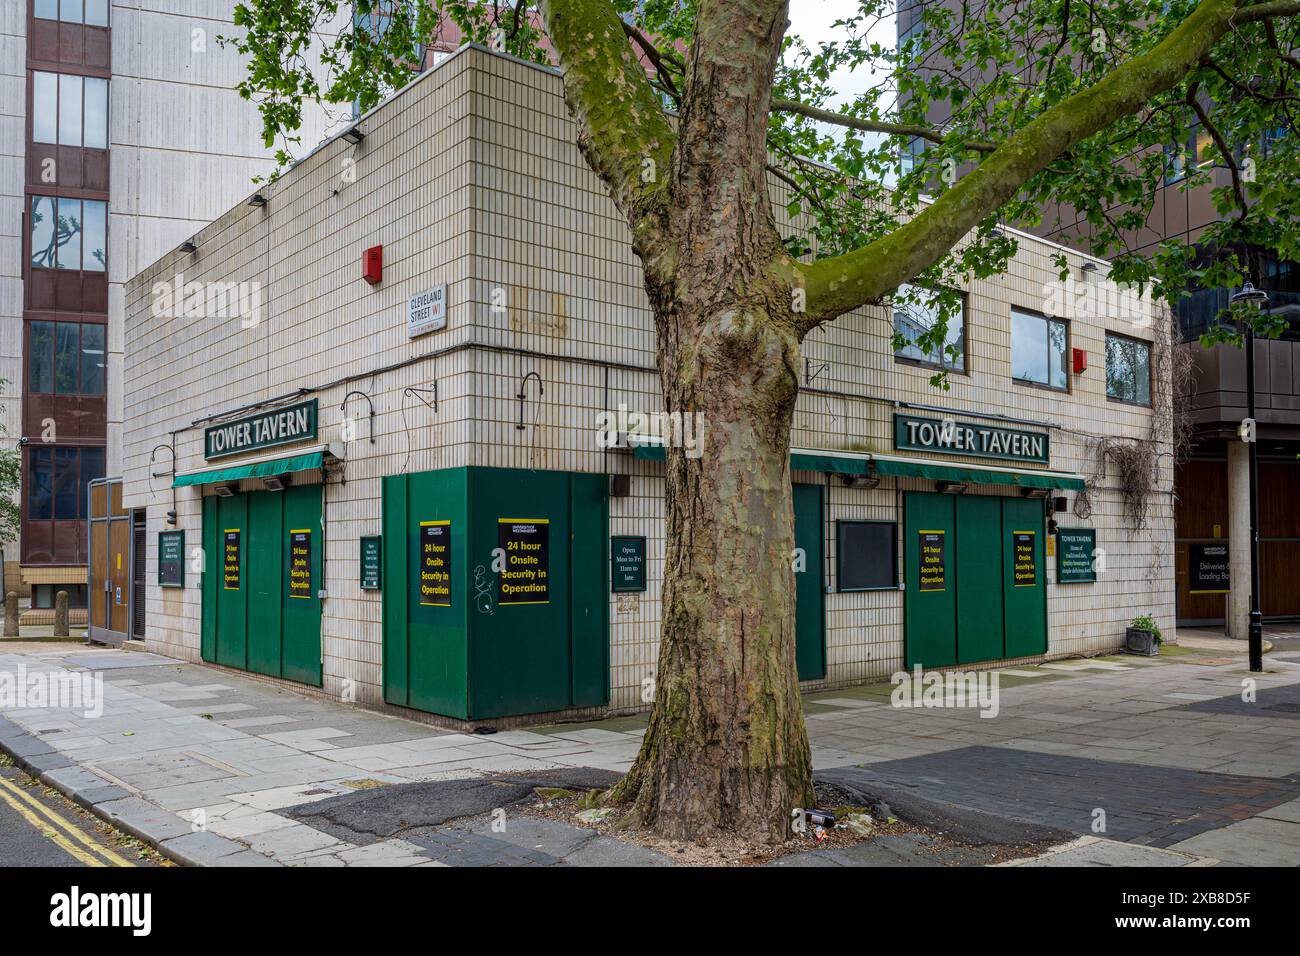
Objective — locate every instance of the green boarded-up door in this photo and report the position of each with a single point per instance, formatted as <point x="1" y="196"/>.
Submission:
<point x="1023" y="577"/>
<point x="930" y="598"/>
<point x="261" y="604"/>
<point x="977" y="557"/>
<point x="809" y="590"/>
<point x="479" y="650"/>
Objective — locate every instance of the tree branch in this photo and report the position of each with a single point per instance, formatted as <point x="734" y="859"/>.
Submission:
<point x="837" y="285"/>
<point x="870" y="126"/>
<point x="622" y="130"/>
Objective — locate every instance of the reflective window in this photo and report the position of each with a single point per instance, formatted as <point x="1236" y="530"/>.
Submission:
<point x="69" y="233"/>
<point x="66" y="358"/>
<point x="1038" y="349"/>
<point x="70" y="110"/>
<point x="57" y="480"/>
<point x="91" y="12"/>
<point x="916" y="312"/>
<point x="1128" y="370"/>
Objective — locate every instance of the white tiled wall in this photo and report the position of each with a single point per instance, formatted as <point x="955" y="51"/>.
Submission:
<point x="471" y="178"/>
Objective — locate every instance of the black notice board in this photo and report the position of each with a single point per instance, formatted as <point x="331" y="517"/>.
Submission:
<point x="866" y="555"/>
<point x="1207" y="568"/>
<point x="1074" y="551"/>
<point x="171" y="559"/>
<point x="372" y="562"/>
<point x="627" y="558"/>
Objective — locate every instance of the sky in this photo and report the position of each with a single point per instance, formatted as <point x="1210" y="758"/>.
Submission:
<point x="812" y="19"/>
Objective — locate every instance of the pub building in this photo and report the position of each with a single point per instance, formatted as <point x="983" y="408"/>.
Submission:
<point x="398" y="483"/>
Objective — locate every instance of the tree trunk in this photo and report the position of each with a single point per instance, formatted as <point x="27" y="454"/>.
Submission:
<point x="726" y="749"/>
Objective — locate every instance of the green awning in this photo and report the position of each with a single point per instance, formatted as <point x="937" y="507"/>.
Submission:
<point x="799" y="460"/>
<point x="261" y="469"/>
<point x="936" y="472"/>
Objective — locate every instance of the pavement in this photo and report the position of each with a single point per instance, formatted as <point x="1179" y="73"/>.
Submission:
<point x="1099" y="762"/>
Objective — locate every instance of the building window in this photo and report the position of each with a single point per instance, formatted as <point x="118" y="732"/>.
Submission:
<point x="66" y="358"/>
<point x="866" y="555"/>
<point x="43" y="595"/>
<point x="57" y="479"/>
<point x="70" y="110"/>
<point x="916" y="312"/>
<point x="90" y="12"/>
<point x="1038" y="349"/>
<point x="1128" y="369"/>
<point x="69" y="233"/>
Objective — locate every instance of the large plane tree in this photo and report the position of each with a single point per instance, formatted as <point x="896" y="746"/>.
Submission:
<point x="689" y="110"/>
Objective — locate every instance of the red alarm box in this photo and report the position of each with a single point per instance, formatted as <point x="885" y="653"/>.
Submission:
<point x="1080" y="360"/>
<point x="372" y="264"/>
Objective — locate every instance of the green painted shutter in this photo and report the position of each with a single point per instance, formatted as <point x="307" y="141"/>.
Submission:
<point x="263" y="564"/>
<point x="977" y="558"/>
<point x="1026" y="604"/>
<point x="301" y="629"/>
<point x="395" y="616"/>
<point x="930" y="616"/>
<point x="211" y="579"/>
<point x="809" y="589"/>
<point x="232" y="603"/>
<point x="589" y="591"/>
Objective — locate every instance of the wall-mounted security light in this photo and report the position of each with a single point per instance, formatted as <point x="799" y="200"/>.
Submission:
<point x="171" y="518"/>
<point x="353" y="135"/>
<point x="276" y="482"/>
<point x="1089" y="267"/>
<point x="188" y="246"/>
<point x="1035" y="492"/>
<point x="256" y="200"/>
<point x="951" y="487"/>
<point x="226" y="491"/>
<point x="860" y="481"/>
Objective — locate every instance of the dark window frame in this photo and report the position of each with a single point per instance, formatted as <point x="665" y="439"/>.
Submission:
<point x="1121" y="337"/>
<point x="944" y="364"/>
<point x="840" y="524"/>
<point x="83" y="4"/>
<point x="48" y="354"/>
<point x="85" y="79"/>
<point x="50" y="454"/>
<point x="1047" y="321"/>
<point x="58" y="200"/>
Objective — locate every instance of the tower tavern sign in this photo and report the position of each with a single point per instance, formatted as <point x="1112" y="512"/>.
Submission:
<point x="980" y="439"/>
<point x="278" y="426"/>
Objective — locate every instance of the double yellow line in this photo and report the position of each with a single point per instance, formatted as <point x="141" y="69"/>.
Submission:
<point x="32" y="810"/>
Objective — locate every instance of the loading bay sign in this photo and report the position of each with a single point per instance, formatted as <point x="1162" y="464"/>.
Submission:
<point x="279" y="426"/>
<point x="426" y="311"/>
<point x="948" y="436"/>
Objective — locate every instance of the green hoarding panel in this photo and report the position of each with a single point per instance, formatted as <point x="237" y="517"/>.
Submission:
<point x="1019" y="479"/>
<point x="280" y="466"/>
<point x="1024" y="577"/>
<point x="232" y="581"/>
<point x="395" y="618"/>
<point x="929" y="601"/>
<point x="438" y="627"/>
<point x="977" y="560"/>
<point x="211" y="577"/>
<point x="262" y="540"/>
<point x="520" y="647"/>
<point x="299" y="544"/>
<point x="809" y="589"/>
<point x="589" y="601"/>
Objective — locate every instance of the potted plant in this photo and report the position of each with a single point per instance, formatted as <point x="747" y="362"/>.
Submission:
<point x="1142" y="636"/>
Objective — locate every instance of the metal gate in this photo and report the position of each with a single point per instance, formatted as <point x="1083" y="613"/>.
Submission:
<point x="108" y="546"/>
<point x="137" y="574"/>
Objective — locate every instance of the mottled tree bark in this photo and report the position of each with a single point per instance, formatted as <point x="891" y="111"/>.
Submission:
<point x="726" y="749"/>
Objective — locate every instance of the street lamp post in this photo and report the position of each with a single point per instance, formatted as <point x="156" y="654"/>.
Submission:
<point x="1256" y="299"/>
